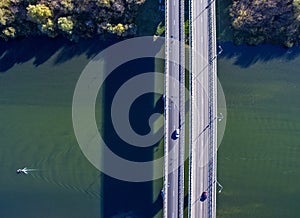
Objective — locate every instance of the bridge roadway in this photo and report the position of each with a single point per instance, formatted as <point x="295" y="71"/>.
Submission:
<point x="203" y="146"/>
<point x="202" y="129"/>
<point x="174" y="110"/>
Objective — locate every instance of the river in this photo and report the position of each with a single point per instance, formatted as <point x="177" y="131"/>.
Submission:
<point x="37" y="81"/>
<point x="258" y="160"/>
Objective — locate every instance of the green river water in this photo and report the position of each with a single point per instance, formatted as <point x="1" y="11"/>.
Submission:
<point x="258" y="160"/>
<point x="37" y="81"/>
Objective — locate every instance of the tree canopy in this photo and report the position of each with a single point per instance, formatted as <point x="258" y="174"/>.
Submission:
<point x="258" y="21"/>
<point x="70" y="18"/>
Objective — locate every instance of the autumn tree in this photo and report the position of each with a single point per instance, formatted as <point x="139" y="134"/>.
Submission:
<point x="65" y="24"/>
<point x="39" y="13"/>
<point x="260" y="21"/>
<point x="118" y="29"/>
<point x="70" y="18"/>
<point x="6" y="16"/>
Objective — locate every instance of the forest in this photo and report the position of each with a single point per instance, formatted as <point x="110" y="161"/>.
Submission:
<point x="261" y="21"/>
<point x="72" y="19"/>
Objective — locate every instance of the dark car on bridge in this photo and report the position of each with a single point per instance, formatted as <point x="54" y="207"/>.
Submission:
<point x="203" y="196"/>
<point x="175" y="134"/>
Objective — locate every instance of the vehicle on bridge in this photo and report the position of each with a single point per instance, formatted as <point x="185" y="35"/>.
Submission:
<point x="175" y="134"/>
<point x="162" y="193"/>
<point x="203" y="196"/>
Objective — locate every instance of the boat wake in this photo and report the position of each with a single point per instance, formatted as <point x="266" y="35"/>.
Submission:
<point x="25" y="170"/>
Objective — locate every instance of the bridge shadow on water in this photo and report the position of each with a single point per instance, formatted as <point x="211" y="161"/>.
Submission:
<point x="246" y="55"/>
<point x="125" y="198"/>
<point x="118" y="197"/>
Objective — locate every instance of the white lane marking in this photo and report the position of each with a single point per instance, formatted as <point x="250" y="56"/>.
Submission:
<point x="174" y="2"/>
<point x="174" y="21"/>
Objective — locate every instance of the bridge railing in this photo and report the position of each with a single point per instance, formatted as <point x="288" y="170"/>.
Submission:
<point x="191" y="95"/>
<point x="166" y="125"/>
<point x="212" y="92"/>
<point x="182" y="112"/>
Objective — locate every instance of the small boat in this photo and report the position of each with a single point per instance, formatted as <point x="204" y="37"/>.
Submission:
<point x="24" y="170"/>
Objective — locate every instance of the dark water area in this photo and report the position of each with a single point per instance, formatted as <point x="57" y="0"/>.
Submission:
<point x="258" y="160"/>
<point x="43" y="48"/>
<point x="119" y="196"/>
<point x="246" y="55"/>
<point x="37" y="81"/>
<point x="141" y="109"/>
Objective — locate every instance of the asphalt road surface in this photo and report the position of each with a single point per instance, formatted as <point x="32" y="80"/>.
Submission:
<point x="201" y="175"/>
<point x="172" y="103"/>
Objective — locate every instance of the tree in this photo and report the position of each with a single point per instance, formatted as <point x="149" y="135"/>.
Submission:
<point x="9" y="32"/>
<point x="71" y="18"/>
<point x="39" y="13"/>
<point x="118" y="29"/>
<point x="160" y="29"/>
<point x="65" y="24"/>
<point x="260" y="21"/>
<point x="6" y="16"/>
<point x="103" y="3"/>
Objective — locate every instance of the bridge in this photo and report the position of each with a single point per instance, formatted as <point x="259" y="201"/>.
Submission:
<point x="202" y="109"/>
<point x="174" y="109"/>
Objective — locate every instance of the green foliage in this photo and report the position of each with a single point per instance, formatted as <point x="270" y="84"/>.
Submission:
<point x="9" y="32"/>
<point x="160" y="29"/>
<point x="65" y="24"/>
<point x="4" y="3"/>
<point x="67" y="4"/>
<point x="6" y="15"/>
<point x="118" y="29"/>
<point x="187" y="28"/>
<point x="296" y="4"/>
<point x="71" y="18"/>
<point x="289" y="44"/>
<point x="103" y="3"/>
<point x="3" y="16"/>
<point x="39" y="13"/>
<point x="48" y="28"/>
<point x="258" y="21"/>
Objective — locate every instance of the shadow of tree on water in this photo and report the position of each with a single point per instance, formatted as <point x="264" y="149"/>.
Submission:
<point x="246" y="55"/>
<point x="42" y="48"/>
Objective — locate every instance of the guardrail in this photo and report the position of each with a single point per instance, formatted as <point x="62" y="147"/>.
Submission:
<point x="166" y="124"/>
<point x="182" y="112"/>
<point x="191" y="95"/>
<point x="212" y="110"/>
<point x="215" y="92"/>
